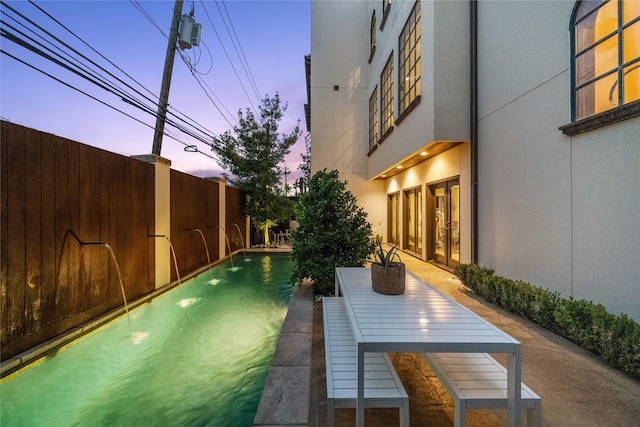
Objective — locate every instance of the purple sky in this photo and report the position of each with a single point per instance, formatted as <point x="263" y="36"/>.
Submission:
<point x="273" y="35"/>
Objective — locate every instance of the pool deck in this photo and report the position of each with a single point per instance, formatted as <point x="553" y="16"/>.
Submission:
<point x="576" y="388"/>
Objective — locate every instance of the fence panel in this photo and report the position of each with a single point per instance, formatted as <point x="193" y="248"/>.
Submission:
<point x="236" y="219"/>
<point x="57" y="194"/>
<point x="194" y="206"/>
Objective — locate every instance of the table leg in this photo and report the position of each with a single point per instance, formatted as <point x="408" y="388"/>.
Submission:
<point x="514" y="388"/>
<point x="360" y="396"/>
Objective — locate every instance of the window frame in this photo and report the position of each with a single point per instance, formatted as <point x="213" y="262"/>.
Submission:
<point x="374" y="122"/>
<point x="386" y="99"/>
<point x="410" y="38"/>
<point x="623" y="111"/>
<point x="372" y="36"/>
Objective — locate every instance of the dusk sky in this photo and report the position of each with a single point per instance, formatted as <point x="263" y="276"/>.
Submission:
<point x="272" y="38"/>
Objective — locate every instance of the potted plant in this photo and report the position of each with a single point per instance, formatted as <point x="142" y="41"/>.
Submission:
<point x="387" y="274"/>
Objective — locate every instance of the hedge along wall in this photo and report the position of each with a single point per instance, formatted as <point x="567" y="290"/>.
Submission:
<point x="56" y="193"/>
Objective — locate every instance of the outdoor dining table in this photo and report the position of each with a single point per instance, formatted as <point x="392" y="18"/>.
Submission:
<point x="422" y="319"/>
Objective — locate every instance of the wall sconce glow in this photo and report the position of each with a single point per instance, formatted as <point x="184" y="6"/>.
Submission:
<point x="424" y="153"/>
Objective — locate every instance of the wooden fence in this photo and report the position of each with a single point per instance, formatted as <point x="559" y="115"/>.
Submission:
<point x="58" y="195"/>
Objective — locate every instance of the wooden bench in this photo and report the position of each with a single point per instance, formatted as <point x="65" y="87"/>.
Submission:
<point x="382" y="387"/>
<point x="477" y="380"/>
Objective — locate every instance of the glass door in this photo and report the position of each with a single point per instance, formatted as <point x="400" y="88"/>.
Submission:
<point x="440" y="216"/>
<point x="454" y="224"/>
<point x="412" y="224"/>
<point x="444" y="222"/>
<point x="419" y="221"/>
<point x="392" y="218"/>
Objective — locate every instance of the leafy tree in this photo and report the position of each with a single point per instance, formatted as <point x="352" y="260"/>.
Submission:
<point x="333" y="232"/>
<point x="253" y="153"/>
<point x="305" y="167"/>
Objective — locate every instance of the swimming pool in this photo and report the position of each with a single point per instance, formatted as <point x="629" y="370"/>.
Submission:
<point x="198" y="355"/>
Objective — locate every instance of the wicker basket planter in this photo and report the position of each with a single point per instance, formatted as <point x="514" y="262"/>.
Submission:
<point x="389" y="279"/>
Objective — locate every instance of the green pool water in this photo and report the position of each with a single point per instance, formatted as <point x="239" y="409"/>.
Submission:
<point x="196" y="356"/>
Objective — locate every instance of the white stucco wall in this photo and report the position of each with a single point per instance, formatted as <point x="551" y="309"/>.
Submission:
<point x="557" y="212"/>
<point x="443" y="112"/>
<point x="605" y="222"/>
<point x="340" y="49"/>
<point x="339" y="125"/>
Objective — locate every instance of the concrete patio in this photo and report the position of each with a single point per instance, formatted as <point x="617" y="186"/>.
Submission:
<point x="576" y="388"/>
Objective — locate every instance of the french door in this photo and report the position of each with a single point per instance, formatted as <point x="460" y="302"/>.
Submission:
<point x="444" y="224"/>
<point x="412" y="220"/>
<point x="392" y="218"/>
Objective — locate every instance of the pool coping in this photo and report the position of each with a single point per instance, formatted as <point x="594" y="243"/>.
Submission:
<point x="285" y="397"/>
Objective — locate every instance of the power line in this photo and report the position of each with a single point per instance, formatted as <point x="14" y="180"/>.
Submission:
<point x="141" y="9"/>
<point x="201" y="82"/>
<point x="144" y="13"/>
<point x="247" y="69"/>
<point x="124" y="95"/>
<point x="121" y="93"/>
<point x="70" y="86"/>
<point x="191" y="68"/>
<point x="227" y="54"/>
<point x="107" y="86"/>
<point x="103" y="102"/>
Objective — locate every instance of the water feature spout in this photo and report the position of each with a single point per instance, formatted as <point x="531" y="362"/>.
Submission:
<point x="173" y="252"/>
<point x="115" y="262"/>
<point x="228" y="244"/>
<point x="244" y="251"/>
<point x="205" y="247"/>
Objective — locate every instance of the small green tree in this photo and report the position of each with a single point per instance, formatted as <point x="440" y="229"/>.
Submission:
<point x="333" y="232"/>
<point x="253" y="153"/>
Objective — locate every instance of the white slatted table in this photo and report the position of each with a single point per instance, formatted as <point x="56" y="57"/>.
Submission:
<point x="422" y="320"/>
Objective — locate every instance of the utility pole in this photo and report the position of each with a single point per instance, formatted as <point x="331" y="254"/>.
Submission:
<point x="166" y="78"/>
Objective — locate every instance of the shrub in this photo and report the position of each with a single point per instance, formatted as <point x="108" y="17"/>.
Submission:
<point x="614" y="339"/>
<point x="333" y="232"/>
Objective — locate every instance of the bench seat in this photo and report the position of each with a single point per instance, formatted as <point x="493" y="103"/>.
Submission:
<point x="383" y="388"/>
<point x="477" y="380"/>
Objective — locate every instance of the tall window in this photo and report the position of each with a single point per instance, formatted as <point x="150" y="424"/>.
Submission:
<point x="409" y="61"/>
<point x="373" y="119"/>
<point x="372" y="35"/>
<point x="386" y="98"/>
<point x="606" y="55"/>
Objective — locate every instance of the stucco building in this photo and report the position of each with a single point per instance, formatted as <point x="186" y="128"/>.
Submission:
<point x="505" y="133"/>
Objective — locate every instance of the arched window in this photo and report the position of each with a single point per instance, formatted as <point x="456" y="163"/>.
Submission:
<point x="372" y="34"/>
<point x="605" y="52"/>
<point x="386" y="7"/>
